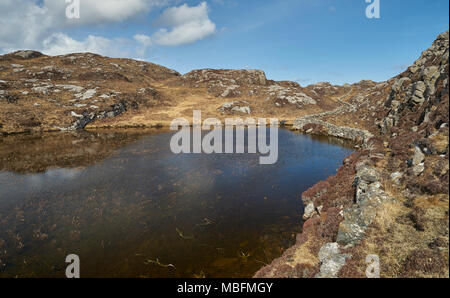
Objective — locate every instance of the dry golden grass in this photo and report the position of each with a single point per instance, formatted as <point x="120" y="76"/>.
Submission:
<point x="303" y="255"/>
<point x="394" y="237"/>
<point x="440" y="141"/>
<point x="183" y="101"/>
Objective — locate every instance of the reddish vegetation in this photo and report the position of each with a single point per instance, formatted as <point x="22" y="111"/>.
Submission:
<point x="410" y="151"/>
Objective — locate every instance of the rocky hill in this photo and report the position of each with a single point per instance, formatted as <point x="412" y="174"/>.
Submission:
<point x="41" y="93"/>
<point x="389" y="199"/>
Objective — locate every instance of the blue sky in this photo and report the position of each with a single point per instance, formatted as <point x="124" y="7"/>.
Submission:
<point x="303" y="40"/>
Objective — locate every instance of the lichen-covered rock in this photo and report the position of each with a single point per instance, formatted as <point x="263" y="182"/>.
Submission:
<point x="238" y="77"/>
<point x="227" y="83"/>
<point x="418" y="169"/>
<point x="418" y="157"/>
<point x="236" y="106"/>
<point x="348" y="133"/>
<point x="420" y="89"/>
<point x="331" y="260"/>
<point x="283" y="95"/>
<point x="369" y="196"/>
<point x="309" y="211"/>
<point x="28" y="54"/>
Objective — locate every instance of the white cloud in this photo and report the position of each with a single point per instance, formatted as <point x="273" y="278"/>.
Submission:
<point x="26" y="23"/>
<point x="187" y="25"/>
<point x="143" y="39"/>
<point x="59" y="43"/>
<point x="101" y="11"/>
<point x="42" y="25"/>
<point x="22" y="23"/>
<point x="144" y="43"/>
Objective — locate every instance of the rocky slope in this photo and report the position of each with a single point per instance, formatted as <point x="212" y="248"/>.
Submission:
<point x="42" y="93"/>
<point x="390" y="199"/>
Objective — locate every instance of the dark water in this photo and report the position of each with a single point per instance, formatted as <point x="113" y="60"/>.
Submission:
<point x="129" y="207"/>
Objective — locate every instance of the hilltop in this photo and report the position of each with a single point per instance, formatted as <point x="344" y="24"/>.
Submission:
<point x="41" y="93"/>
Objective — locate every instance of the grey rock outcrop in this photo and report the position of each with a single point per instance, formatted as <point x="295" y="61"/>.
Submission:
<point x="348" y="133"/>
<point x="309" y="211"/>
<point x="236" y="106"/>
<point x="369" y="196"/>
<point x="396" y="177"/>
<point x="284" y="95"/>
<point x="417" y="87"/>
<point x="418" y="157"/>
<point x="87" y="118"/>
<point x="331" y="260"/>
<point x="227" y="83"/>
<point x="238" y="77"/>
<point x="28" y="54"/>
